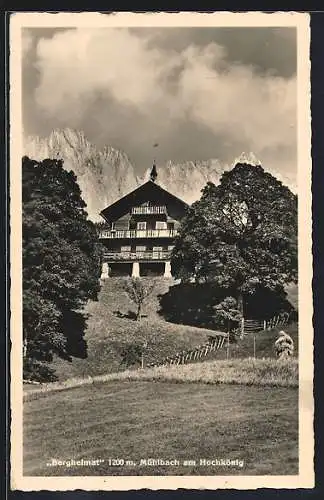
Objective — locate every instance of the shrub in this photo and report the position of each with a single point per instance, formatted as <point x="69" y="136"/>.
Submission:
<point x="284" y="345"/>
<point x="38" y="372"/>
<point x="131" y="354"/>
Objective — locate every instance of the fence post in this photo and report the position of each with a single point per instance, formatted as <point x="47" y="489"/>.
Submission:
<point x="227" y="349"/>
<point x="264" y="325"/>
<point x="242" y="327"/>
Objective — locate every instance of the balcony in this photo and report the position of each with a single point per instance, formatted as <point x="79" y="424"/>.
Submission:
<point x="153" y="210"/>
<point x="133" y="234"/>
<point x="147" y="255"/>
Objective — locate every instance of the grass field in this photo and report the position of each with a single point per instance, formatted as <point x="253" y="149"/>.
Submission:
<point x="109" y="327"/>
<point x="140" y="420"/>
<point x="264" y="344"/>
<point x="236" y="409"/>
<point x="248" y="371"/>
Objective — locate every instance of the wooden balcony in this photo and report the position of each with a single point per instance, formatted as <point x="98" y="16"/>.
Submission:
<point x="133" y="234"/>
<point x="153" y="210"/>
<point x="147" y="255"/>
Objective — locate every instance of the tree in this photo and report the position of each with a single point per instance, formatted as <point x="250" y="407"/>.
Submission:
<point x="227" y="317"/>
<point x="138" y="290"/>
<point x="226" y="314"/>
<point x="284" y="345"/>
<point x="61" y="264"/>
<point x="241" y="234"/>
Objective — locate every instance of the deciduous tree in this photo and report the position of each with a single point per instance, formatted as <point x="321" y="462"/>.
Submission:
<point x="138" y="290"/>
<point x="226" y="314"/>
<point x="241" y="234"/>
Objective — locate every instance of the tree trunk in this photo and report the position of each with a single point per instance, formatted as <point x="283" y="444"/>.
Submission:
<point x="138" y="314"/>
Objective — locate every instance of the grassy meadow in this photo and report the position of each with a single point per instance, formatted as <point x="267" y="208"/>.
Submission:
<point x="110" y="327"/>
<point x="240" y="409"/>
<point x="248" y="371"/>
<point x="134" y="420"/>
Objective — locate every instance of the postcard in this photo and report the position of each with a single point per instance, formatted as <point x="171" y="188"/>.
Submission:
<point x="160" y="265"/>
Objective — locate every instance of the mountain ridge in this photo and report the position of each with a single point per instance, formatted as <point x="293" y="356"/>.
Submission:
<point x="105" y="175"/>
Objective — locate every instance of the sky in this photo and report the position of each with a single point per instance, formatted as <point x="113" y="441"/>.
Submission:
<point x="199" y="93"/>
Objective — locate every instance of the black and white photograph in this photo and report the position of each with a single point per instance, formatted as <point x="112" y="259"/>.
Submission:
<point x="161" y="303"/>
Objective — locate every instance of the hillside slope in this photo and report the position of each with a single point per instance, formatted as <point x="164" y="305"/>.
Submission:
<point x="110" y="327"/>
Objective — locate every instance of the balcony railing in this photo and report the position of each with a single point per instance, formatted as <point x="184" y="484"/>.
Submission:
<point x="149" y="210"/>
<point x="147" y="233"/>
<point x="130" y="256"/>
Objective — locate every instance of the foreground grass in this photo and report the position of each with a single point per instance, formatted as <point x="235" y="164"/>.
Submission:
<point x="140" y="420"/>
<point x="259" y="372"/>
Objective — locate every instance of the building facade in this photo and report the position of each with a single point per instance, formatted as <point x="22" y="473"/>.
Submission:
<point x="140" y="232"/>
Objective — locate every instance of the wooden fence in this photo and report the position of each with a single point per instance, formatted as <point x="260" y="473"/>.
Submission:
<point x="180" y="358"/>
<point x="255" y="325"/>
<point x="218" y="341"/>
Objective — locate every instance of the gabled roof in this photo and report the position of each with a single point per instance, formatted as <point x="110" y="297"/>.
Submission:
<point x="140" y="195"/>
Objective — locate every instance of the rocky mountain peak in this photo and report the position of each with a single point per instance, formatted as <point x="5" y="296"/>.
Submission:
<point x="105" y="175"/>
<point x="248" y="158"/>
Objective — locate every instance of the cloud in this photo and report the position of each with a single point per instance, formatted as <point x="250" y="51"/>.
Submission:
<point x="135" y="88"/>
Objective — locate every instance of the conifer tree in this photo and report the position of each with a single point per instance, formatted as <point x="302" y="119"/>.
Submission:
<point x="61" y="265"/>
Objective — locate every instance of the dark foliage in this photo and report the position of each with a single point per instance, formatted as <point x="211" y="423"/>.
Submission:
<point x="241" y="235"/>
<point x="61" y="263"/>
<point x="37" y="371"/>
<point x="193" y="304"/>
<point x="131" y="354"/>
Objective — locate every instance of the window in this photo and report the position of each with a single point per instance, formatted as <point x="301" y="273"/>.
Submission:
<point x="141" y="226"/>
<point x="140" y="250"/>
<point x="157" y="251"/>
<point x="125" y="249"/>
<point x="160" y="225"/>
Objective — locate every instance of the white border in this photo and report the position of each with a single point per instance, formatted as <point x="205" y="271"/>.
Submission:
<point x="305" y="478"/>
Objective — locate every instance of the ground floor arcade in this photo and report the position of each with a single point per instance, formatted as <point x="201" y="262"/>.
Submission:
<point x="136" y="269"/>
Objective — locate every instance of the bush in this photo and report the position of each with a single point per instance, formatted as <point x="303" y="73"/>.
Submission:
<point x="284" y="345"/>
<point x="131" y="354"/>
<point x="37" y="372"/>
